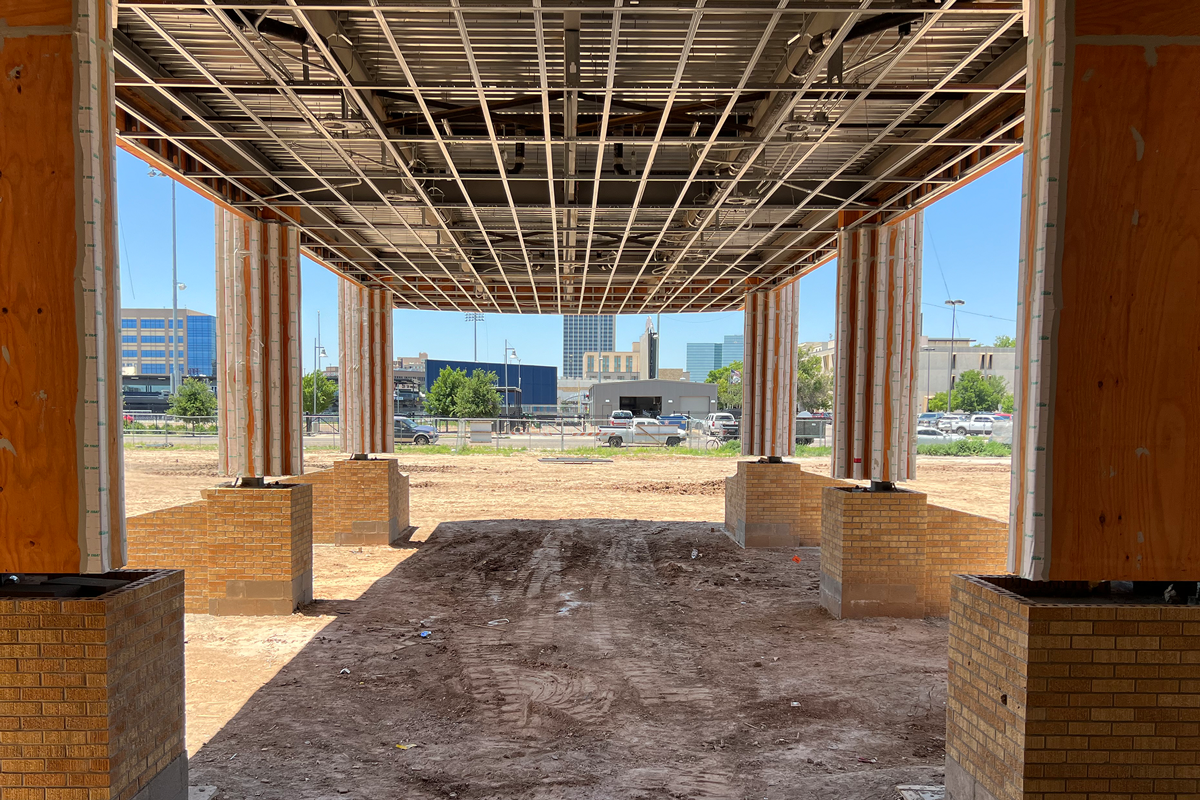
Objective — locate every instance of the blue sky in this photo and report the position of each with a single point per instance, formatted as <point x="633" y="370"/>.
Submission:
<point x="971" y="242"/>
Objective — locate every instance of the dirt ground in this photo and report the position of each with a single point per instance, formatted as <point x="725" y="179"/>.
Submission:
<point x="626" y="668"/>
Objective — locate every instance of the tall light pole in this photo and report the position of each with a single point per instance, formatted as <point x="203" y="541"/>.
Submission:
<point x="318" y="352"/>
<point x="475" y="317"/>
<point x="954" y="304"/>
<point x="173" y="336"/>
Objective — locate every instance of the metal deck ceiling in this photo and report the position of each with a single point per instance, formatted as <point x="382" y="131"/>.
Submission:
<point x="577" y="157"/>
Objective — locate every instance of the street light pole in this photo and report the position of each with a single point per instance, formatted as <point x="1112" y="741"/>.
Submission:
<point x="928" y="370"/>
<point x="174" y="337"/>
<point x="954" y="304"/>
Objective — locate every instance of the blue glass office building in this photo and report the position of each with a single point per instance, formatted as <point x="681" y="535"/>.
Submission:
<point x="151" y="346"/>
<point x="702" y="358"/>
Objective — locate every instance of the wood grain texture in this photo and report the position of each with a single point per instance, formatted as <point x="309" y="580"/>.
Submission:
<point x="39" y="13"/>
<point x="40" y="446"/>
<point x="1126" y="426"/>
<point x="1137" y="18"/>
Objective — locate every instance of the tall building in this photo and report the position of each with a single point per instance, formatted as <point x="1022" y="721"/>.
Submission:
<point x="732" y="349"/>
<point x="648" y="349"/>
<point x="582" y="334"/>
<point x="703" y="358"/>
<point x="147" y="341"/>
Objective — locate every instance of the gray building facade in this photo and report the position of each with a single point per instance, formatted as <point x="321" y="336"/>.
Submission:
<point x="654" y="398"/>
<point x="584" y="334"/>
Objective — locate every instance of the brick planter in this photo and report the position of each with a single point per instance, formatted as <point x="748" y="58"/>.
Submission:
<point x="775" y="505"/>
<point x="1068" y="696"/>
<point x="873" y="553"/>
<point x="92" y="689"/>
<point x="359" y="502"/>
<point x="246" y="551"/>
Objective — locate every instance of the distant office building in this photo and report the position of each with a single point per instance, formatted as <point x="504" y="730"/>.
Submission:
<point x="147" y="341"/>
<point x="647" y="347"/>
<point x="582" y="334"/>
<point x="527" y="388"/>
<point x="703" y="358"/>
<point x="732" y="349"/>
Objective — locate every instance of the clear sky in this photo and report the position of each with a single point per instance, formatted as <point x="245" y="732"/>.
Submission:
<point x="971" y="242"/>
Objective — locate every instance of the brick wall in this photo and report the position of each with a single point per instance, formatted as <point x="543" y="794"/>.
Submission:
<point x="1069" y="697"/>
<point x="775" y="505"/>
<point x="245" y="551"/>
<point x="92" y="693"/>
<point x="892" y="554"/>
<point x="958" y="542"/>
<point x="877" y="540"/>
<point x="359" y="502"/>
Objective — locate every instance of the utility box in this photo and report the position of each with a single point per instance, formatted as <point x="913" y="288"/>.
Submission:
<point x="481" y="432"/>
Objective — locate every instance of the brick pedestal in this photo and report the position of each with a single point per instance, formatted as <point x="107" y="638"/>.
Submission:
<point x="359" y="502"/>
<point x="246" y="551"/>
<point x="92" y="688"/>
<point x="1067" y="696"/>
<point x="872" y="553"/>
<point x="774" y="505"/>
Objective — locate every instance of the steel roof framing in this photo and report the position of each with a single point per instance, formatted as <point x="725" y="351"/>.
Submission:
<point x="703" y="161"/>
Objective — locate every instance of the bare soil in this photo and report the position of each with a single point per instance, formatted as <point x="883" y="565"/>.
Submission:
<point x="626" y="668"/>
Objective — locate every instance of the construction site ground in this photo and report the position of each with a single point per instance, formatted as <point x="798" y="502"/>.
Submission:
<point x="591" y="633"/>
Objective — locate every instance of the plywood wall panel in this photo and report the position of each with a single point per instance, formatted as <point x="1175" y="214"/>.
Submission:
<point x="61" y="488"/>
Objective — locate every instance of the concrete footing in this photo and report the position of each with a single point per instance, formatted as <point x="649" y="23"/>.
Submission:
<point x="247" y="551"/>
<point x="359" y="502"/>
<point x="92" y="684"/>
<point x="1054" y="694"/>
<point x="775" y="505"/>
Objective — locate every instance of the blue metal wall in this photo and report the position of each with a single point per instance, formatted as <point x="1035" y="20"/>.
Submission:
<point x="539" y="385"/>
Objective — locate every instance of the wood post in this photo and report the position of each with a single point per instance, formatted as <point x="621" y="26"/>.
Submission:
<point x="1108" y="341"/>
<point x="365" y="384"/>
<point x="61" y="485"/>
<point x="878" y="335"/>
<point x="258" y="347"/>
<point x="769" y="371"/>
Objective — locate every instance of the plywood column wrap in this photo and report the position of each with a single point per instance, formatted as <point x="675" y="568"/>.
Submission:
<point x="61" y="484"/>
<point x="878" y="335"/>
<point x="365" y="390"/>
<point x="1108" y="340"/>
<point x="258" y="347"/>
<point x="769" y="372"/>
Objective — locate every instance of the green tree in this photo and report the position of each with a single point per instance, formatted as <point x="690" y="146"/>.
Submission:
<point x="1005" y="341"/>
<point x="193" y="399"/>
<point x="442" y="398"/>
<point x="1007" y="402"/>
<point x="814" y="386"/>
<point x="973" y="392"/>
<point x="729" y="385"/>
<point x="326" y="392"/>
<point x="477" y="396"/>
<point x="937" y="402"/>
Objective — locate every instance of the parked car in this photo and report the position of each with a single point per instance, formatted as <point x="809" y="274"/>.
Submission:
<point x="927" y="435"/>
<point x="930" y="418"/>
<point x="720" y="423"/>
<point x="975" y="423"/>
<point x="947" y="422"/>
<point x="620" y="417"/>
<point x="408" y="432"/>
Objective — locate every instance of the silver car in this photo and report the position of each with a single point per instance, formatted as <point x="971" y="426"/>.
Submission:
<point x="934" y="436"/>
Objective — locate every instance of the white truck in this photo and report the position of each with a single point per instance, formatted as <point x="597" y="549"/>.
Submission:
<point x="641" y="433"/>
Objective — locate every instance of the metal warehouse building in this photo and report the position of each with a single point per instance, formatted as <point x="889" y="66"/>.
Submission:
<point x="531" y="388"/>
<point x="652" y="398"/>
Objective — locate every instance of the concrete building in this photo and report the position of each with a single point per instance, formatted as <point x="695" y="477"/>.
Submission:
<point x="939" y="365"/>
<point x="703" y="358"/>
<point x="826" y="351"/>
<point x="148" y="338"/>
<point x="583" y="334"/>
<point x="652" y="398"/>
<point x="648" y="348"/>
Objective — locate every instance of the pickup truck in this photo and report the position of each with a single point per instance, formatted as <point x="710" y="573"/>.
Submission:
<point x="974" y="423"/>
<point x="642" y="433"/>
<point x="720" y="423"/>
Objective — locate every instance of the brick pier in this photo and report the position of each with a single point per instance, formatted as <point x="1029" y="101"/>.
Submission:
<point x="359" y="502"/>
<point x="775" y="505"/>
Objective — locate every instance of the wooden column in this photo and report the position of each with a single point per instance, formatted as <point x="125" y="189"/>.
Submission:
<point x="258" y="347"/>
<point x="365" y="385"/>
<point x="879" y="320"/>
<point x="769" y="371"/>
<point x="1108" y="336"/>
<point x="61" y="486"/>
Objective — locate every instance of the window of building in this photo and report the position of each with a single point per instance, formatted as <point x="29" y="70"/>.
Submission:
<point x="154" y="323"/>
<point x="991" y="362"/>
<point x="154" y="339"/>
<point x="154" y="369"/>
<point x="604" y="363"/>
<point x="154" y="354"/>
<point x="129" y="354"/>
<point x="128" y="340"/>
<point x="629" y="363"/>
<point x="591" y="363"/>
<point x="954" y="361"/>
<point x="128" y="323"/>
